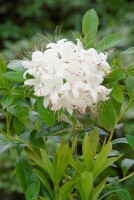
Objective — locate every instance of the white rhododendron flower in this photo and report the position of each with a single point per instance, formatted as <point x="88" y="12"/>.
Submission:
<point x="68" y="76"/>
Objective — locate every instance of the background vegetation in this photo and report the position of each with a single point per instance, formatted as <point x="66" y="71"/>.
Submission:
<point x="22" y="21"/>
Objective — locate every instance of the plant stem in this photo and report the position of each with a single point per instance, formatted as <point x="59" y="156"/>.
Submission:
<point x="56" y="191"/>
<point x="130" y="103"/>
<point x="74" y="133"/>
<point x="121" y="180"/>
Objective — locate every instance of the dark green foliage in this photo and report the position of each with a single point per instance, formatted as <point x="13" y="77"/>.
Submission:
<point x="28" y="18"/>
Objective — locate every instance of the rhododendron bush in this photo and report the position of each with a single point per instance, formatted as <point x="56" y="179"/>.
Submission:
<point x="62" y="105"/>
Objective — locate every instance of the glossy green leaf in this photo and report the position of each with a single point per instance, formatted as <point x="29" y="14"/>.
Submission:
<point x="94" y="141"/>
<point x="101" y="159"/>
<point x="77" y="165"/>
<point x="109" y="41"/>
<point x="32" y="192"/>
<point x="106" y="163"/>
<point x="107" y="115"/>
<point x="116" y="63"/>
<point x="18" y="126"/>
<point x="34" y="157"/>
<point x="47" y="163"/>
<point x="130" y="140"/>
<point x="6" y="101"/>
<point x="97" y="191"/>
<point x="36" y="142"/>
<point x="130" y="86"/>
<point x="117" y="191"/>
<point x="120" y="141"/>
<point x="23" y="173"/>
<point x="16" y="65"/>
<point x="66" y="189"/>
<point x="14" y="76"/>
<point x="126" y="164"/>
<point x="63" y="156"/>
<point x="44" y="181"/>
<point x="90" y="27"/>
<point x="124" y="194"/>
<point x="3" y="69"/>
<point x="47" y="115"/>
<point x="114" y="76"/>
<point x="4" y="144"/>
<point x="76" y="35"/>
<point x="42" y="198"/>
<point x="85" y="185"/>
<point x="116" y="106"/>
<point x="87" y="153"/>
<point x="117" y="94"/>
<point x="21" y="112"/>
<point x="129" y="50"/>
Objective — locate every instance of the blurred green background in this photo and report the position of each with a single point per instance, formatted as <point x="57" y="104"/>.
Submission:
<point x="22" y="22"/>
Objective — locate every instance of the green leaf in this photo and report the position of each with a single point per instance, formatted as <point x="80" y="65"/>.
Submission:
<point x="116" y="106"/>
<point x="16" y="65"/>
<point x="18" y="126"/>
<point x="4" y="144"/>
<point x="14" y="76"/>
<point x="44" y="181"/>
<point x="36" y="142"/>
<point x="129" y="50"/>
<point x="23" y="173"/>
<point x="66" y="189"/>
<point x="130" y="140"/>
<point x="117" y="94"/>
<point x="42" y="198"/>
<point x="101" y="159"/>
<point x="47" y="165"/>
<point x="85" y="185"/>
<point x="34" y="157"/>
<point x="32" y="192"/>
<point x="94" y="141"/>
<point x="87" y="153"/>
<point x="21" y="112"/>
<point x="3" y="69"/>
<point x="97" y="191"/>
<point x="103" y="165"/>
<point x="123" y="194"/>
<point x="120" y="141"/>
<point x="76" y="35"/>
<point x="130" y="86"/>
<point x="77" y="165"/>
<point x="115" y="190"/>
<point x="90" y="27"/>
<point x="109" y="41"/>
<point x="46" y="114"/>
<point x="114" y="76"/>
<point x="47" y="130"/>
<point x="107" y="115"/>
<point x="126" y="164"/>
<point x="116" y="63"/>
<point x="63" y="156"/>
<point x="6" y="101"/>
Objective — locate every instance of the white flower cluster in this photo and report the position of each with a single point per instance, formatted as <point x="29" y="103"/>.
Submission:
<point x="68" y="76"/>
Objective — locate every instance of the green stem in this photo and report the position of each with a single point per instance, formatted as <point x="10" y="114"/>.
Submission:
<point x="121" y="180"/>
<point x="7" y="124"/>
<point x="74" y="126"/>
<point x="74" y="133"/>
<point x="56" y="191"/>
<point x="130" y="103"/>
<point x="12" y="138"/>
